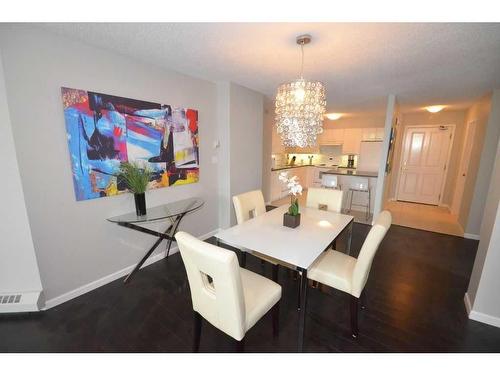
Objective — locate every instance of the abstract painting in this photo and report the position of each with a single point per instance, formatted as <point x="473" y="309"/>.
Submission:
<point x="104" y="131"/>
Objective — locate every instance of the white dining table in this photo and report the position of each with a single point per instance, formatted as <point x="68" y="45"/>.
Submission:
<point x="298" y="247"/>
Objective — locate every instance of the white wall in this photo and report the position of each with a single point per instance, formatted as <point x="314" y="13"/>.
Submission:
<point x="483" y="178"/>
<point x="18" y="265"/>
<point x="479" y="113"/>
<point x="482" y="293"/>
<point x="74" y="243"/>
<point x="445" y="117"/>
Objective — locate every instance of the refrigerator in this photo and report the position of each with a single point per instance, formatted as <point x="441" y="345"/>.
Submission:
<point x="369" y="156"/>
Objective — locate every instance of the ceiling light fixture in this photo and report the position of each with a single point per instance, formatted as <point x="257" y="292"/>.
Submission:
<point x="435" y="108"/>
<point x="333" y="116"/>
<point x="300" y="106"/>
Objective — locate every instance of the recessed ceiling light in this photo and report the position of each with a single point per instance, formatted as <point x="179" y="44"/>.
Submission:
<point x="435" y="108"/>
<point x="333" y="116"/>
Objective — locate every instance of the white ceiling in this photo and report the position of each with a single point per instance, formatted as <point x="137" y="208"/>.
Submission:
<point x="360" y="63"/>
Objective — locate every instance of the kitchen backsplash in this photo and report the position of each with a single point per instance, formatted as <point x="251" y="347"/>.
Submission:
<point x="302" y="159"/>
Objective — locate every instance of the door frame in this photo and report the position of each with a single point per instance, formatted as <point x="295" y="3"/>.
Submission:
<point x="445" y="176"/>
<point x="470" y="134"/>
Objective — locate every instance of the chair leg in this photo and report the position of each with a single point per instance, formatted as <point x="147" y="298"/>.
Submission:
<point x="276" y="319"/>
<point x="299" y="294"/>
<point x="350" y="205"/>
<point x="197" y="321"/>
<point x="240" y="345"/>
<point x="362" y="300"/>
<point x="275" y="272"/>
<point x="354" y="316"/>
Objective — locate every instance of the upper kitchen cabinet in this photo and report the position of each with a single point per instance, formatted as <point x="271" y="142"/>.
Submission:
<point x="352" y="141"/>
<point x="331" y="137"/>
<point x="373" y="134"/>
<point x="277" y="146"/>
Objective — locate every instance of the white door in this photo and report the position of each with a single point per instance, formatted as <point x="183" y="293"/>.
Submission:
<point x="425" y="154"/>
<point x="463" y="168"/>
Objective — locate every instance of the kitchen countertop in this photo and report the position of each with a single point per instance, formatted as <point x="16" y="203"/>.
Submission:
<point x="301" y="165"/>
<point x="344" y="172"/>
<point x="341" y="171"/>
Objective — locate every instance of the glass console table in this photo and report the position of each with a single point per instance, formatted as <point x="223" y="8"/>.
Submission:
<point x="173" y="211"/>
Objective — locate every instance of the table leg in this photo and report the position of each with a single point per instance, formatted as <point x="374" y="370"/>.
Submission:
<point x="303" y="303"/>
<point x="174" y="231"/>
<point x="150" y="251"/>
<point x="243" y="259"/>
<point x="349" y="238"/>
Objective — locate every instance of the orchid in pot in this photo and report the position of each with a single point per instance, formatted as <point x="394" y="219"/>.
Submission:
<point x="291" y="218"/>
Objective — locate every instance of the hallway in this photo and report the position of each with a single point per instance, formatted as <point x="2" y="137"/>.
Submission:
<point x="425" y="217"/>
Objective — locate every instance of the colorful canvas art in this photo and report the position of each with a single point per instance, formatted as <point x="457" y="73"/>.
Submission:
<point x="105" y="130"/>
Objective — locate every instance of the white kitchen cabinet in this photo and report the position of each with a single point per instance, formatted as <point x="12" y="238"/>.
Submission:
<point x="277" y="146"/>
<point x="275" y="186"/>
<point x="379" y="134"/>
<point x="331" y="137"/>
<point x="373" y="134"/>
<point x="352" y="141"/>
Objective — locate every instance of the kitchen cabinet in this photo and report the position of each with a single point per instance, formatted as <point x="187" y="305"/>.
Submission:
<point x="380" y="133"/>
<point x="275" y="186"/>
<point x="352" y="141"/>
<point x="331" y="137"/>
<point x="277" y="147"/>
<point x="372" y="134"/>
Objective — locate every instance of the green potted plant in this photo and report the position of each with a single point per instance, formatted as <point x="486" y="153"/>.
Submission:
<point x="291" y="218"/>
<point x="137" y="179"/>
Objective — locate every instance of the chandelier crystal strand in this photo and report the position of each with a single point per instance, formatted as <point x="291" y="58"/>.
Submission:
<point x="300" y="106"/>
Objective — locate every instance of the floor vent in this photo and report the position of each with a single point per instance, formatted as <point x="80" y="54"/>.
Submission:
<point x="13" y="298"/>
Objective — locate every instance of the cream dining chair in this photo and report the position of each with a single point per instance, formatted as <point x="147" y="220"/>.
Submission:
<point x="348" y="274"/>
<point x="325" y="199"/>
<point x="247" y="206"/>
<point x="230" y="298"/>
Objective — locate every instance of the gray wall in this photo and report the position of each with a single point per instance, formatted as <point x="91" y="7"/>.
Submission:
<point x="485" y="279"/>
<point x="490" y="187"/>
<point x="246" y="119"/>
<point x="18" y="265"/>
<point x="267" y="147"/>
<point x="74" y="243"/>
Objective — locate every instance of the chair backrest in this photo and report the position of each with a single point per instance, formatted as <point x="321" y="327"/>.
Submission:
<point x="329" y="180"/>
<point x="249" y="205"/>
<point x="368" y="250"/>
<point x="215" y="283"/>
<point x="319" y="198"/>
<point x="359" y="183"/>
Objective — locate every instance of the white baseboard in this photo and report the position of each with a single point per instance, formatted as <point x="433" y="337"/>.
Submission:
<point x="485" y="318"/>
<point x="468" y="306"/>
<point x="112" y="277"/>
<point x="478" y="316"/>
<point x="28" y="302"/>
<point x="471" y="236"/>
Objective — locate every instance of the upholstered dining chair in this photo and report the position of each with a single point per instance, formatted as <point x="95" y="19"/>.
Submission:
<point x="347" y="274"/>
<point x="230" y="298"/>
<point x="325" y="199"/>
<point x="247" y="206"/>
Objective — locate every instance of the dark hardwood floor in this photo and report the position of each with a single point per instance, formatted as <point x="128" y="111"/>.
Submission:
<point x="414" y="303"/>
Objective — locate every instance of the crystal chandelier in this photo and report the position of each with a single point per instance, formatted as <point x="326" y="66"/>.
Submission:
<point x="300" y="106"/>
